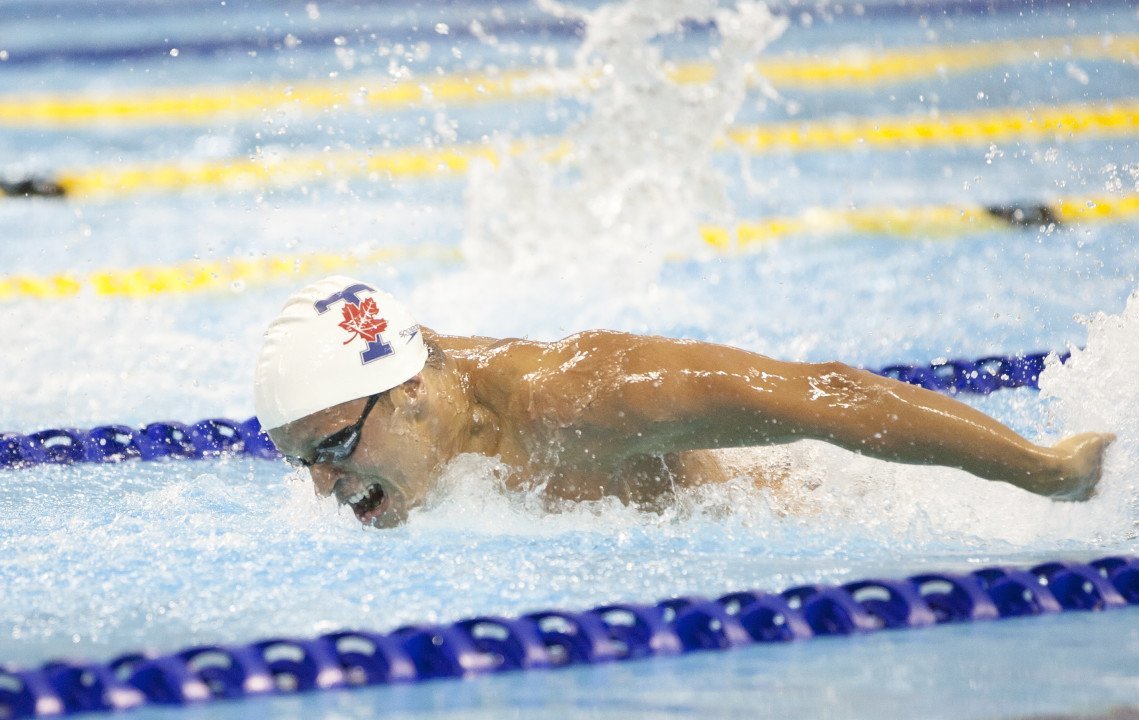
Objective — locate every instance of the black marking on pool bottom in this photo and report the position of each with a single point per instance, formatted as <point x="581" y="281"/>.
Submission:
<point x="1024" y="215"/>
<point x="32" y="187"/>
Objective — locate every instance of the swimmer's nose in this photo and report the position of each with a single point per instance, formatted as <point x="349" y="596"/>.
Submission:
<point x="324" y="478"/>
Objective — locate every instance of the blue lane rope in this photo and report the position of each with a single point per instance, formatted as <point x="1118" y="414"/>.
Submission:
<point x="982" y="376"/>
<point x="115" y="443"/>
<point x="220" y="436"/>
<point x="556" y="638"/>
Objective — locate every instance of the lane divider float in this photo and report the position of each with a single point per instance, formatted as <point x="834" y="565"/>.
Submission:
<point x="215" y="437"/>
<point x="921" y="222"/>
<point x="918" y="222"/>
<point x="844" y="68"/>
<point x="1056" y="124"/>
<point x="230" y="275"/>
<point x="551" y="639"/>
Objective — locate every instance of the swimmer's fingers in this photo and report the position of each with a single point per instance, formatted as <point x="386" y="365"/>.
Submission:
<point x="1084" y="460"/>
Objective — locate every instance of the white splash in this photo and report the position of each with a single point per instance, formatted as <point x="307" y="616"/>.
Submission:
<point x="471" y="497"/>
<point x="637" y="179"/>
<point x="859" y="499"/>
<point x="1097" y="389"/>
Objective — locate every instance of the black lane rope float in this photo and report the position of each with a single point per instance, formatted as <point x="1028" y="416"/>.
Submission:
<point x="32" y="187"/>
<point x="557" y="638"/>
<point x="1029" y="214"/>
<point x="221" y="436"/>
<point x="919" y="223"/>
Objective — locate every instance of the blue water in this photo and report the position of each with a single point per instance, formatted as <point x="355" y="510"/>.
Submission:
<point x="95" y="561"/>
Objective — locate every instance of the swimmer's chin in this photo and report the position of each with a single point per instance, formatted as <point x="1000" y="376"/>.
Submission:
<point x="385" y="521"/>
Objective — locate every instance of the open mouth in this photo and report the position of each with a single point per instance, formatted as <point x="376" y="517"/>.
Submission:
<point x="369" y="503"/>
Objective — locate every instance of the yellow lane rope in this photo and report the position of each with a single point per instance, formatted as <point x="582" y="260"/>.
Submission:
<point x="857" y="66"/>
<point x="201" y="103"/>
<point x="993" y="126"/>
<point x="235" y="274"/>
<point x="844" y="68"/>
<point x="275" y="170"/>
<point x="922" y="221"/>
<point x="1054" y="124"/>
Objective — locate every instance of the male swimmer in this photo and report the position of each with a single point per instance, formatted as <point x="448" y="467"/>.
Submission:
<point x="351" y="387"/>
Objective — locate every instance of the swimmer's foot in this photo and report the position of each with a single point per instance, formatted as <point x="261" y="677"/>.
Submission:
<point x="1081" y="465"/>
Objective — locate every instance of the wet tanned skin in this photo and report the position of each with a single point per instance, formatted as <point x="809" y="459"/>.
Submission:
<point x="606" y="413"/>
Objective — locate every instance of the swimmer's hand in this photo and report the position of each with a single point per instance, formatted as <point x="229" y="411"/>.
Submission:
<point x="1081" y="465"/>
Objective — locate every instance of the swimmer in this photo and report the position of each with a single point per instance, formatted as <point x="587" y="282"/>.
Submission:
<point x="351" y="387"/>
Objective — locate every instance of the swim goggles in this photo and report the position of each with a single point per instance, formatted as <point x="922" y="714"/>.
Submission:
<point x="338" y="446"/>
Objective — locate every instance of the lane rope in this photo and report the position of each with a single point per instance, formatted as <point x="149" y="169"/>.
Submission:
<point x="845" y="68"/>
<point x="551" y="639"/>
<point x="215" y="437"/>
<point x="230" y="275"/>
<point x="921" y="222"/>
<point x="282" y="170"/>
<point x="1057" y="124"/>
<point x="237" y="274"/>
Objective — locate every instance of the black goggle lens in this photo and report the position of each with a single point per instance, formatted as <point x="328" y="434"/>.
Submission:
<point x="338" y="446"/>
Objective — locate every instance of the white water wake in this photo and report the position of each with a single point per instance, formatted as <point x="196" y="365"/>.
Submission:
<point x="634" y="185"/>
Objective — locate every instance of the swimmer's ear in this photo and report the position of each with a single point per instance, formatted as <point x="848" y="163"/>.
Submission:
<point x="409" y="397"/>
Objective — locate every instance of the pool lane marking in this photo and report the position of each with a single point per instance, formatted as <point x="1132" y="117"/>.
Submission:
<point x="236" y="274"/>
<point x="1056" y="123"/>
<point x="277" y="170"/>
<point x="228" y="275"/>
<point x="203" y="103"/>
<point x="1053" y="124"/>
<point x="923" y="222"/>
<point x="844" y="68"/>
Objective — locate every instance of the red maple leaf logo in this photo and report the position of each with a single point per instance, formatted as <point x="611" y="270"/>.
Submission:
<point x="363" y="321"/>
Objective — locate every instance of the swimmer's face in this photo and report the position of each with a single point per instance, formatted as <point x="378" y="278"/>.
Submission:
<point x="403" y="444"/>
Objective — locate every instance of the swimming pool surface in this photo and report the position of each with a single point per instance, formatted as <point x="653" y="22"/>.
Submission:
<point x="96" y="560"/>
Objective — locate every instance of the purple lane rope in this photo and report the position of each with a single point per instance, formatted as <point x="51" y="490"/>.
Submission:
<point x="557" y="638"/>
<point x="220" y="436"/>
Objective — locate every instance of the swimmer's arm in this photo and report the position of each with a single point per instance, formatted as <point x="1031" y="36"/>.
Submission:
<point x="713" y="396"/>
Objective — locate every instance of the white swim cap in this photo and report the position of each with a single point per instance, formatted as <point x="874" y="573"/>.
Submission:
<point x="334" y="341"/>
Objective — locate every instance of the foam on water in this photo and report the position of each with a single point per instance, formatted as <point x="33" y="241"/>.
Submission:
<point x="634" y="184"/>
<point x="1098" y="389"/>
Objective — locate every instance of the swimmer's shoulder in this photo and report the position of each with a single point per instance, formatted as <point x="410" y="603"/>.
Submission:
<point x="585" y="341"/>
<point x="494" y="359"/>
<point x="534" y="360"/>
<point x="459" y="344"/>
<point x="605" y="342"/>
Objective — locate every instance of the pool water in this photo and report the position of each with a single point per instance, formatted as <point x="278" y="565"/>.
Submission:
<point x="98" y="560"/>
